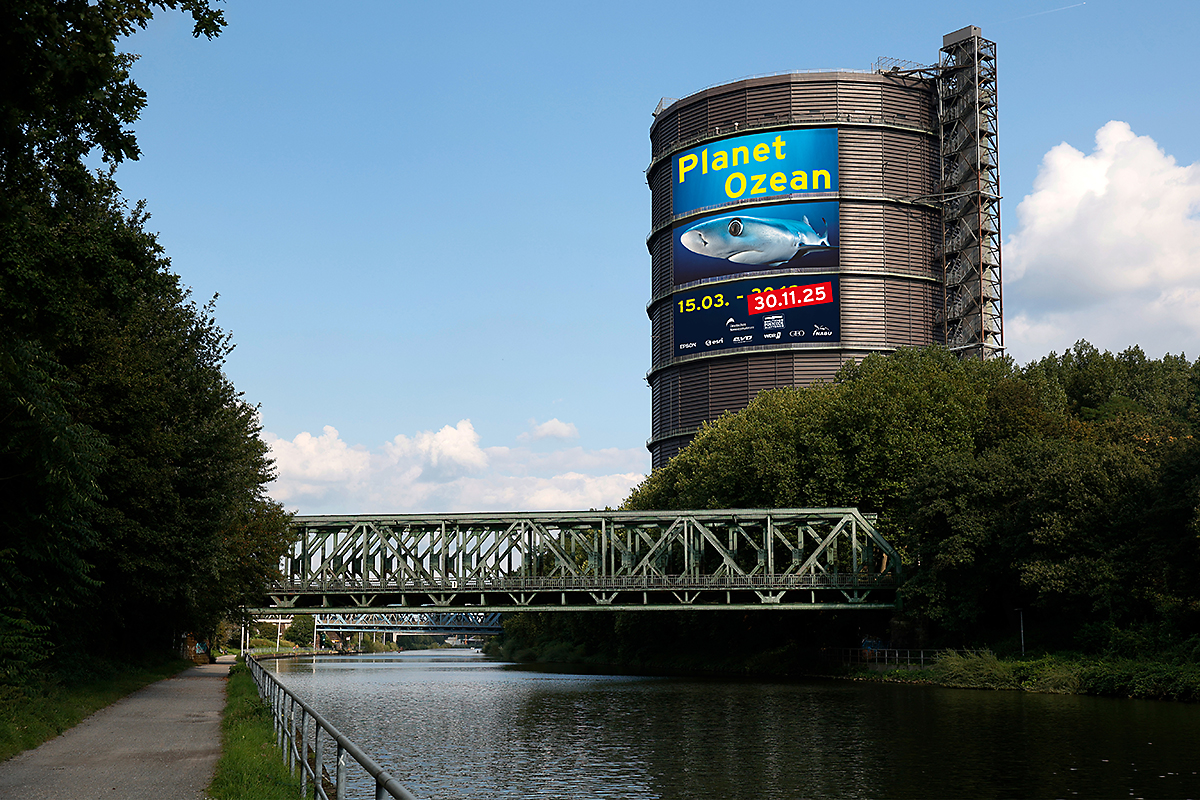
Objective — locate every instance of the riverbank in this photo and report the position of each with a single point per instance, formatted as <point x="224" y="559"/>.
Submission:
<point x="1176" y="679"/>
<point x="251" y="764"/>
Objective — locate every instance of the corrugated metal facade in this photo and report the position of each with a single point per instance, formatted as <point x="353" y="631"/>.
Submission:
<point x="890" y="284"/>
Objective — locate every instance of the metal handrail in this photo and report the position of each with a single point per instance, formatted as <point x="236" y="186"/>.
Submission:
<point x="293" y="736"/>
<point x="851" y="656"/>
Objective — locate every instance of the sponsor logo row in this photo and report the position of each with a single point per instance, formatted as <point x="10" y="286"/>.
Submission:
<point x="818" y="331"/>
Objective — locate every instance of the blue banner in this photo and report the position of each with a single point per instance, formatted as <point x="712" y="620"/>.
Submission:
<point x="787" y="309"/>
<point x="755" y="167"/>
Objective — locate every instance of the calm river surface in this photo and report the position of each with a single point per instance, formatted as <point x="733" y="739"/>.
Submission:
<point x="450" y="724"/>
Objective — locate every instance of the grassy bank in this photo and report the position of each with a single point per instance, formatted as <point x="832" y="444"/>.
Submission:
<point x="1167" y="676"/>
<point x="37" y="712"/>
<point x="251" y="766"/>
<point x="1177" y="680"/>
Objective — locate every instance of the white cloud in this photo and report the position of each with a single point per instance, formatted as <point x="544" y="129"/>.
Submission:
<point x="315" y="465"/>
<point x="447" y="471"/>
<point x="449" y="452"/>
<point x="550" y="429"/>
<point x="1107" y="249"/>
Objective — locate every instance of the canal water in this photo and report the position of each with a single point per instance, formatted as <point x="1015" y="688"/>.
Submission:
<point x="450" y="724"/>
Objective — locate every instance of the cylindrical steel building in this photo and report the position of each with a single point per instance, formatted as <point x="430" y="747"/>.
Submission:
<point x="794" y="224"/>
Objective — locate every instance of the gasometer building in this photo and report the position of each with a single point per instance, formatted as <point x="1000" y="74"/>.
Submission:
<point x="806" y="219"/>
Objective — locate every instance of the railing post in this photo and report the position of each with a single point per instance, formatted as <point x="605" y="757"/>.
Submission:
<point x="277" y="712"/>
<point x="291" y="737"/>
<point x="318" y="767"/>
<point x="340" y="785"/>
<point x="303" y="753"/>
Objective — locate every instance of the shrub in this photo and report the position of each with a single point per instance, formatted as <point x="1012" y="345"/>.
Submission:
<point x="980" y="670"/>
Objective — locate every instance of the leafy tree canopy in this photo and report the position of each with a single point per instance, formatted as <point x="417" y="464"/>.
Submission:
<point x="1070" y="488"/>
<point x="67" y="90"/>
<point x="130" y="466"/>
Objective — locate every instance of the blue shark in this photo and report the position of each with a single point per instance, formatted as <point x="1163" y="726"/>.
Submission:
<point x="752" y="240"/>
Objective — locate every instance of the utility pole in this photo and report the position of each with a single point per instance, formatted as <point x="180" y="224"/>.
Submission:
<point x="1021" y="612"/>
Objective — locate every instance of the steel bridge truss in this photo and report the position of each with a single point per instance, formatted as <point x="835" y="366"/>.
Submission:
<point x="973" y="311"/>
<point x="730" y="559"/>
<point x="411" y="623"/>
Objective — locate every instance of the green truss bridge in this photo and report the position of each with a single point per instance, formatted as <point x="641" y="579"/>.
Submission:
<point x="747" y="559"/>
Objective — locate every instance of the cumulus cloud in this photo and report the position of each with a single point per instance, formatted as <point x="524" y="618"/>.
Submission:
<point x="447" y="471"/>
<point x="450" y="452"/>
<point x="1107" y="249"/>
<point x="550" y="429"/>
<point x="315" y="465"/>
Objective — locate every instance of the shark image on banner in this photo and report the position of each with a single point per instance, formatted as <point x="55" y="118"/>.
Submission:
<point x="762" y="238"/>
<point x="753" y="240"/>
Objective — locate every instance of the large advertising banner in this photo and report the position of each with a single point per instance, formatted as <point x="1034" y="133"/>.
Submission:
<point x="746" y="240"/>
<point x="769" y="310"/>
<point x="758" y="166"/>
<point x="766" y="198"/>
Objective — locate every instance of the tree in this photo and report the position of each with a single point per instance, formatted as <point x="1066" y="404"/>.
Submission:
<point x="1069" y="488"/>
<point x="131" y="466"/>
<point x="49" y="466"/>
<point x="1100" y="386"/>
<point x="856" y="442"/>
<point x="66" y="91"/>
<point x="301" y="630"/>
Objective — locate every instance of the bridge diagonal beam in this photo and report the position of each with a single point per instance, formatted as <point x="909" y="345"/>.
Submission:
<point x="730" y="563"/>
<point x="662" y="543"/>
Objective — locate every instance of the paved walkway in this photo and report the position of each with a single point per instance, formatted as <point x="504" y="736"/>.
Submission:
<point x="161" y="741"/>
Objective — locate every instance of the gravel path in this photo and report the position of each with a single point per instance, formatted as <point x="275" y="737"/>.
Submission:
<point x="162" y="741"/>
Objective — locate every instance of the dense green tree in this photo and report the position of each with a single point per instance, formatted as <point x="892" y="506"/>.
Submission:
<point x="1099" y="386"/>
<point x="66" y="91"/>
<point x="1031" y="523"/>
<point x="130" y="468"/>
<point x="301" y="630"/>
<point x="49" y="466"/>
<point x="858" y="441"/>
<point x="1069" y="488"/>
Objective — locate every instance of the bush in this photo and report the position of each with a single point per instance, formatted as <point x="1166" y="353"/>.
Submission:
<point x="1148" y="681"/>
<point x="980" y="670"/>
<point x="1049" y="674"/>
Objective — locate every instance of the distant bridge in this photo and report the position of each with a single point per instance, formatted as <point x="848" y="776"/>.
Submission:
<point x="413" y="623"/>
<point x="748" y="559"/>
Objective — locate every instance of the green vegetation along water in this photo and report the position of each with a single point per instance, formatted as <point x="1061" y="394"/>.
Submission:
<point x="251" y="766"/>
<point x="1063" y="495"/>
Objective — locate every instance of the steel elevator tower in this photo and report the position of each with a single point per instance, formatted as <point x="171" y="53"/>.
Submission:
<point x="973" y="308"/>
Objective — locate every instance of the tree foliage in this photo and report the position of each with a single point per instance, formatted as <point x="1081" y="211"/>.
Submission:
<point x="67" y="90"/>
<point x="131" y="469"/>
<point x="1069" y="488"/>
<point x="301" y="630"/>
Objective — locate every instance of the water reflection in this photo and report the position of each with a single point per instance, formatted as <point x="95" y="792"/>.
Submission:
<point x="450" y="724"/>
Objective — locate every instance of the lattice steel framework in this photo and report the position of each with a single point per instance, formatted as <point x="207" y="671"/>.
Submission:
<point x="741" y="558"/>
<point x="973" y="310"/>
<point x="413" y="622"/>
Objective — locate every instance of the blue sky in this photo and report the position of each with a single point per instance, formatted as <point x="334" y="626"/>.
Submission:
<point x="426" y="223"/>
